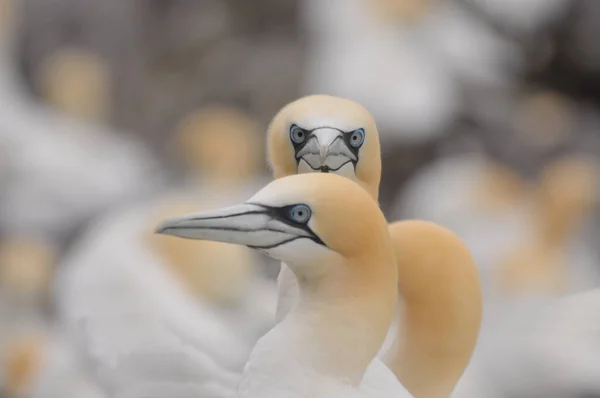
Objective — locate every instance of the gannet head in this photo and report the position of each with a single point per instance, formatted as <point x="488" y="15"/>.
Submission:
<point x="312" y="222"/>
<point x="235" y="134"/>
<point x="321" y="133"/>
<point x="77" y="82"/>
<point x="21" y="363"/>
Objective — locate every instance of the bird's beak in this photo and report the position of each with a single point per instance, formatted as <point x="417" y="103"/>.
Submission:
<point x="250" y="225"/>
<point x="326" y="151"/>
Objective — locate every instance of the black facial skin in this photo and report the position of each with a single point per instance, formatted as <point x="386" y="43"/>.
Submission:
<point x="308" y="135"/>
<point x="282" y="214"/>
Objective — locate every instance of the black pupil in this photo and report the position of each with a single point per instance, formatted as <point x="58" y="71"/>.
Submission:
<point x="300" y="213"/>
<point x="300" y="134"/>
<point x="355" y="137"/>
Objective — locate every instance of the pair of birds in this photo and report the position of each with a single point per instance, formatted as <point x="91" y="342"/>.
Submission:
<point x="343" y="268"/>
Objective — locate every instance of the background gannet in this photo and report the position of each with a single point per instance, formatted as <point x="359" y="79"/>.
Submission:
<point x="37" y="359"/>
<point x="58" y="172"/>
<point x="556" y="258"/>
<point x="333" y="236"/>
<point x="58" y="169"/>
<point x="331" y="134"/>
<point x="516" y="229"/>
<point x="215" y="301"/>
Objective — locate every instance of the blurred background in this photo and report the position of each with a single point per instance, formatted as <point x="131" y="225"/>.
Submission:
<point x="115" y="114"/>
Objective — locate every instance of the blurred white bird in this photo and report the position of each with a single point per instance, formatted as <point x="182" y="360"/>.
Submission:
<point x="35" y="359"/>
<point x="523" y="235"/>
<point x="145" y="334"/>
<point x="407" y="74"/>
<point x="158" y="315"/>
<point x="506" y="222"/>
<point x="44" y="365"/>
<point x="58" y="171"/>
<point x="538" y="346"/>
<point x="484" y="204"/>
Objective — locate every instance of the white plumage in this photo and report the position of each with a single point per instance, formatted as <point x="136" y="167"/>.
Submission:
<point x="144" y="333"/>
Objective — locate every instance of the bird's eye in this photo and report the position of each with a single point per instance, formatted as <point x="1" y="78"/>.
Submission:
<point x="297" y="135"/>
<point x="300" y="214"/>
<point x="357" y="138"/>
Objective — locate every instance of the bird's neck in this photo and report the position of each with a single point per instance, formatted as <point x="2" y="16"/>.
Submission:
<point x="441" y="318"/>
<point x="329" y="337"/>
<point x="288" y="292"/>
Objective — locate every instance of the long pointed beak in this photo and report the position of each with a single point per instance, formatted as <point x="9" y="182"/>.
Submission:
<point x="250" y="225"/>
<point x="325" y="138"/>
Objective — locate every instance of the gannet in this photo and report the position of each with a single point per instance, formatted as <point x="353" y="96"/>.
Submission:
<point x="436" y="271"/>
<point x="335" y="240"/>
<point x="529" y="238"/>
<point x="77" y="82"/>
<point x="59" y="172"/>
<point x="558" y="257"/>
<point x="36" y="360"/>
<point x="487" y="205"/>
<point x="419" y="238"/>
<point x="165" y="316"/>
<point x="409" y="74"/>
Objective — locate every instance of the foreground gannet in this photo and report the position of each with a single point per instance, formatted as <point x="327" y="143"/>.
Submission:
<point x="334" y="238"/>
<point x="438" y="280"/>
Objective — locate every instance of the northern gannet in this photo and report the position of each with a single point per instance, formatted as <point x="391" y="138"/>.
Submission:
<point x="409" y="74"/>
<point x="36" y="360"/>
<point x="59" y="172"/>
<point x="524" y="244"/>
<point x="78" y="83"/>
<point x="335" y="240"/>
<point x="213" y="301"/>
<point x="487" y="205"/>
<point x="328" y="134"/>
<point x="558" y="258"/>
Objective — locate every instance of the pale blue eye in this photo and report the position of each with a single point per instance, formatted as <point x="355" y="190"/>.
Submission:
<point x="297" y="135"/>
<point x="300" y="213"/>
<point x="357" y="138"/>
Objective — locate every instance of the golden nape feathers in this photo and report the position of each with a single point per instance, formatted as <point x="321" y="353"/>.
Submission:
<point x="566" y="191"/>
<point x="401" y="11"/>
<point x="223" y="144"/>
<point x="440" y="288"/>
<point x="544" y="120"/>
<point x="213" y="271"/>
<point x="26" y="266"/>
<point x="499" y="189"/>
<point x="22" y="358"/>
<point x="338" y="247"/>
<point x="323" y="110"/>
<point x="437" y="278"/>
<point x="77" y="82"/>
<point x="6" y="18"/>
<point x="534" y="267"/>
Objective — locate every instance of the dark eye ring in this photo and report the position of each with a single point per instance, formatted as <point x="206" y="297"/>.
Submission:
<point x="357" y="138"/>
<point x="300" y="214"/>
<point x="297" y="134"/>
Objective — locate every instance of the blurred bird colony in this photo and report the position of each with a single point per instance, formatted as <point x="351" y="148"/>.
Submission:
<point x="116" y="115"/>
